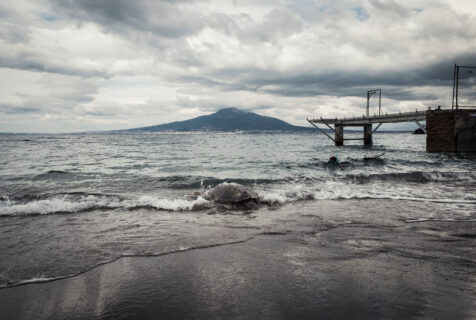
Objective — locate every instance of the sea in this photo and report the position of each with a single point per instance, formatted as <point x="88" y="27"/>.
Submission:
<point x="71" y="202"/>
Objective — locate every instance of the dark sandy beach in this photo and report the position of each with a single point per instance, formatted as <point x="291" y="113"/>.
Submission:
<point x="356" y="270"/>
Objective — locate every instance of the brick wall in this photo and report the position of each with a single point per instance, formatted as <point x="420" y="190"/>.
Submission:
<point x="440" y="131"/>
<point x="451" y="130"/>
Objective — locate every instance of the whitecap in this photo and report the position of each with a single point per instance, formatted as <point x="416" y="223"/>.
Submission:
<point x="170" y="204"/>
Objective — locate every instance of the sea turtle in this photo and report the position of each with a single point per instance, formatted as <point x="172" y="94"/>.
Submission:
<point x="230" y="193"/>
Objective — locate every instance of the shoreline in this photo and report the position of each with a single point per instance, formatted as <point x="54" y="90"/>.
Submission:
<point x="123" y="256"/>
<point x="350" y="271"/>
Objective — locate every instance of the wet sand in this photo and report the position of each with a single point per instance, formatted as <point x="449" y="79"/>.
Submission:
<point x="423" y="270"/>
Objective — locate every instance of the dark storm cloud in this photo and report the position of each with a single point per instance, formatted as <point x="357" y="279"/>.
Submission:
<point x="330" y="84"/>
<point x="396" y="93"/>
<point x="167" y="20"/>
<point x="399" y="83"/>
<point x="443" y="69"/>
<point x="163" y="18"/>
<point x="14" y="109"/>
<point x="36" y="62"/>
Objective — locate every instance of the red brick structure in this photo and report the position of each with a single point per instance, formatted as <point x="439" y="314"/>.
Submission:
<point x="451" y="130"/>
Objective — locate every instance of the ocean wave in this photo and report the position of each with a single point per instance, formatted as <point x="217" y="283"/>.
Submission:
<point x="438" y="220"/>
<point x="293" y="194"/>
<point x="189" y="182"/>
<point x="70" y="203"/>
<point x="53" y="174"/>
<point x="269" y="194"/>
<point x="277" y="198"/>
<point x="196" y="182"/>
<point x="389" y="197"/>
<point x="169" y="204"/>
<point x="313" y="163"/>
<point x="56" y="204"/>
<point x="338" y="190"/>
<point x="415" y="177"/>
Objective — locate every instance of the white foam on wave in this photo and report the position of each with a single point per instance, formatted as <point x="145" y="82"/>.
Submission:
<point x="334" y="190"/>
<point x="268" y="194"/>
<point x="445" y="176"/>
<point x="66" y="204"/>
<point x="56" y="205"/>
<point x="273" y="198"/>
<point x="38" y="280"/>
<point x="438" y="219"/>
<point x="170" y="204"/>
<point x="435" y="200"/>
<point x="286" y="193"/>
<point x="357" y="194"/>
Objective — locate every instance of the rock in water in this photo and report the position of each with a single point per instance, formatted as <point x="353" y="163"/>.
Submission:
<point x="419" y="131"/>
<point x="232" y="193"/>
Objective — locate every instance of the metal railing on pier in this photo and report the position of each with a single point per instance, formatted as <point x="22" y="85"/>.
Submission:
<point x="364" y="120"/>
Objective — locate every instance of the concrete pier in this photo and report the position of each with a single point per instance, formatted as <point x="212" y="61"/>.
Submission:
<point x="339" y="135"/>
<point x="368" y="135"/>
<point x="452" y="130"/>
<point x="366" y="122"/>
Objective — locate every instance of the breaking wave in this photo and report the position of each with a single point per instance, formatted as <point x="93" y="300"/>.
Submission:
<point x="391" y="186"/>
<point x="282" y="197"/>
<point x="71" y="203"/>
<point x="438" y="220"/>
<point x="183" y="182"/>
<point x="170" y="204"/>
<point x="415" y="177"/>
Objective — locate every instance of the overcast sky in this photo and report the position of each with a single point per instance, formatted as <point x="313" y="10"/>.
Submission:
<point x="69" y="66"/>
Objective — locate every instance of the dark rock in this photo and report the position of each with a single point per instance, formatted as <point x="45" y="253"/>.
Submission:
<point x="419" y="131"/>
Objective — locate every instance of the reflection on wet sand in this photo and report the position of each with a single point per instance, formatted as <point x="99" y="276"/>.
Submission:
<point x="303" y="267"/>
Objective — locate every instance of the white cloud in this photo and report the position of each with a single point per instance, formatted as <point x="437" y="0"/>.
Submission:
<point x="92" y="65"/>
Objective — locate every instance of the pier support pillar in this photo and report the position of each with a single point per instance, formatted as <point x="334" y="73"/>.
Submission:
<point x="368" y="134"/>
<point x="339" y="135"/>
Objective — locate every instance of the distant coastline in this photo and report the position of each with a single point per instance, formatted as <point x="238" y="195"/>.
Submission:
<point x="227" y="120"/>
<point x="127" y="131"/>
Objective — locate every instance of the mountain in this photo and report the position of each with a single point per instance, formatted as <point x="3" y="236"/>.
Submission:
<point x="228" y="119"/>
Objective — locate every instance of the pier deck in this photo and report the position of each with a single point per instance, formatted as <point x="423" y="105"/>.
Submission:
<point x="366" y="122"/>
<point x="382" y="118"/>
<point x="451" y="130"/>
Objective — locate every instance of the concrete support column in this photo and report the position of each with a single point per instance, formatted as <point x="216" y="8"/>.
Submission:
<point x="368" y="135"/>
<point x="339" y="137"/>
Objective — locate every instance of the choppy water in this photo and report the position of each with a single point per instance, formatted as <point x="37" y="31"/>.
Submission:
<point x="69" y="202"/>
